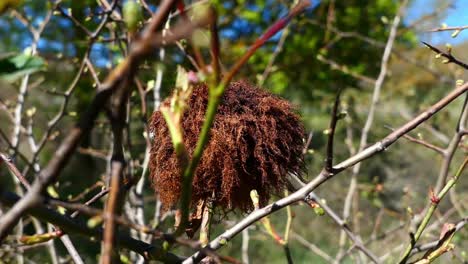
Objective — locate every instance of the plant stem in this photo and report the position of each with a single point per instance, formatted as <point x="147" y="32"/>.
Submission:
<point x="213" y="103"/>
<point x="434" y="203"/>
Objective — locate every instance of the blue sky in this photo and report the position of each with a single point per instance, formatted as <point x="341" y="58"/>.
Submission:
<point x="457" y="16"/>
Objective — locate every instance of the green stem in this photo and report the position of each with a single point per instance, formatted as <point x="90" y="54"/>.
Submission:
<point x="434" y="203"/>
<point x="213" y="103"/>
<point x="287" y="230"/>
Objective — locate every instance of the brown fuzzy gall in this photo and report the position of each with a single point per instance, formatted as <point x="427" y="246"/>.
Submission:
<point x="256" y="139"/>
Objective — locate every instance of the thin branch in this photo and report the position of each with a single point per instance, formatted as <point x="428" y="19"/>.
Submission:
<point x="297" y="184"/>
<point x="427" y="246"/>
<point x="71" y="249"/>
<point x="113" y="207"/>
<point x="425" y="144"/>
<point x="443" y="245"/>
<point x="116" y="115"/>
<point x="215" y="47"/>
<point x="287" y="230"/>
<point x="331" y="133"/>
<point x="457" y="28"/>
<point x="370" y="118"/>
<point x="245" y="246"/>
<point x="312" y="247"/>
<point x="431" y="129"/>
<point x="448" y="55"/>
<point x="271" y="61"/>
<point x="14" y="170"/>
<point x="435" y="200"/>
<point x="307" y="143"/>
<point x="334" y="65"/>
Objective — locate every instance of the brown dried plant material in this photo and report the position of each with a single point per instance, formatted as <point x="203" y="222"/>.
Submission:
<point x="256" y="139"/>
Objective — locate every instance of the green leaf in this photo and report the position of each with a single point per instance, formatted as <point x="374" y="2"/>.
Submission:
<point x="13" y="67"/>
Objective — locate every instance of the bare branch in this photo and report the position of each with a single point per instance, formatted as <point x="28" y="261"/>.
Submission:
<point x="331" y="133"/>
<point x="448" y="55"/>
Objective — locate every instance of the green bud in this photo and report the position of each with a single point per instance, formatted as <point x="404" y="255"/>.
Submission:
<point x="342" y="115"/>
<point x="52" y="192"/>
<point x="124" y="259"/>
<point x="132" y="15"/>
<point x="150" y="85"/>
<point x="95" y="221"/>
<point x="455" y="33"/>
<point x="319" y="211"/>
<point x="35" y="239"/>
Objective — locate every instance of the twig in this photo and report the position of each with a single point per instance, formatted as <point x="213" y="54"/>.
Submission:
<point x="270" y="230"/>
<point x="425" y="144"/>
<point x="156" y="253"/>
<point x="116" y="115"/>
<point x="427" y="246"/>
<point x="287" y="230"/>
<point x="449" y="153"/>
<point x="443" y="245"/>
<point x="298" y="184"/>
<point x="334" y="65"/>
<point x="459" y="28"/>
<point x="245" y="246"/>
<point x="113" y="207"/>
<point x="448" y="55"/>
<point x="14" y="170"/>
<point x="215" y="47"/>
<point x="71" y="249"/>
<point x="350" y="34"/>
<point x="61" y="113"/>
<point x="431" y="129"/>
<point x="435" y="199"/>
<point x="312" y="247"/>
<point x="271" y="61"/>
<point x="307" y="143"/>
<point x="453" y="146"/>
<point x="36" y="34"/>
<point x="331" y="133"/>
